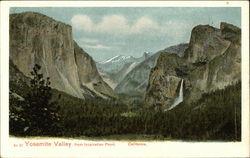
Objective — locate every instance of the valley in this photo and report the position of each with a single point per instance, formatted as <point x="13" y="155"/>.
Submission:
<point x="189" y="91"/>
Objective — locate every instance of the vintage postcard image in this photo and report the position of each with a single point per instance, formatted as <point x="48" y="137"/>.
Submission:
<point x="103" y="81"/>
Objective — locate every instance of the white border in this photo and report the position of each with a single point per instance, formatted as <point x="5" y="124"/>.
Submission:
<point x="153" y="149"/>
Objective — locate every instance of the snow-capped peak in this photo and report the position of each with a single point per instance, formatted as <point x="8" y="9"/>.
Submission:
<point x="109" y="60"/>
<point x="117" y="58"/>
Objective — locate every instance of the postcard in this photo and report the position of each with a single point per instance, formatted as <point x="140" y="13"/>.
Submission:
<point x="125" y="79"/>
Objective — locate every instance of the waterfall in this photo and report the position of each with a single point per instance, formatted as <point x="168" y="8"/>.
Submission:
<point x="177" y="100"/>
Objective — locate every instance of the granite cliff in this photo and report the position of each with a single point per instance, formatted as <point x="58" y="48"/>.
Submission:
<point x="38" y="39"/>
<point x="136" y="81"/>
<point x="212" y="61"/>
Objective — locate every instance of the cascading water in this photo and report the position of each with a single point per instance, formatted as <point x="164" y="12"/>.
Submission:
<point x="177" y="100"/>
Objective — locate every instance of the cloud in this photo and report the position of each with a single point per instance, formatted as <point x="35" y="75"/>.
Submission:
<point x="82" y="22"/>
<point x="97" y="46"/>
<point x="92" y="43"/>
<point x="118" y="25"/>
<point x="144" y="24"/>
<point x="119" y="43"/>
<point x="89" y="40"/>
<point x="114" y="24"/>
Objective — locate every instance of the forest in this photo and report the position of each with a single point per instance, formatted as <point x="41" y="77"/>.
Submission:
<point x="43" y="111"/>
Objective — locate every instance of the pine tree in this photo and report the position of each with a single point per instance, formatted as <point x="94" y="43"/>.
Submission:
<point x="41" y="112"/>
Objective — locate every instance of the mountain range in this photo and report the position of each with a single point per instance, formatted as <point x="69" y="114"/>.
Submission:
<point x="210" y="61"/>
<point x="116" y="68"/>
<point x="190" y="90"/>
<point x="136" y="81"/>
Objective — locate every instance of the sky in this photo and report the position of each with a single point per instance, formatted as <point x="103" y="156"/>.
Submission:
<point x="104" y="32"/>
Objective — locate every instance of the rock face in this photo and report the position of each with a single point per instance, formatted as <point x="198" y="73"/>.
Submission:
<point x="38" y="39"/>
<point x="135" y="83"/>
<point x="88" y="74"/>
<point x="115" y="69"/>
<point x="163" y="81"/>
<point x="211" y="61"/>
<point x="177" y="49"/>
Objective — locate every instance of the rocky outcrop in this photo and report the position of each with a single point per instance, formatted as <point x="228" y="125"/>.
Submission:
<point x="205" y="44"/>
<point x="225" y="67"/>
<point x="177" y="49"/>
<point x="17" y="81"/>
<point x="164" y="80"/>
<point x="135" y="83"/>
<point x="212" y="61"/>
<point x="38" y="39"/>
<point x="88" y="74"/>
